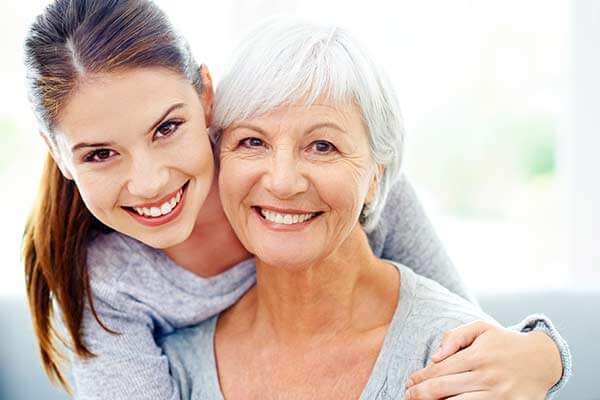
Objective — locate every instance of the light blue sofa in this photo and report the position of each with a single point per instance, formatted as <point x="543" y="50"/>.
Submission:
<point x="575" y="314"/>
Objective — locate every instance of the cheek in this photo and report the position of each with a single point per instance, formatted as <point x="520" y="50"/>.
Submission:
<point x="344" y="186"/>
<point x="235" y="181"/>
<point x="194" y="155"/>
<point x="99" y="192"/>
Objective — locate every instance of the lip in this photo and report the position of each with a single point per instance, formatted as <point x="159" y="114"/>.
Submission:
<point x="160" y="202"/>
<point x="281" y="227"/>
<point x="163" y="219"/>
<point x="285" y="210"/>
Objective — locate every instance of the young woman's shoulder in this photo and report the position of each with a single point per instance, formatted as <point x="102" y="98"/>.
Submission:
<point x="109" y="255"/>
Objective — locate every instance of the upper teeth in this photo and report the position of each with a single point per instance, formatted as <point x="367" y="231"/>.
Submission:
<point x="285" y="219"/>
<point x="163" y="209"/>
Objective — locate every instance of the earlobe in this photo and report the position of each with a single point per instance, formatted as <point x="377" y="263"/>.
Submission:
<point x="53" y="153"/>
<point x="207" y="94"/>
<point x="374" y="184"/>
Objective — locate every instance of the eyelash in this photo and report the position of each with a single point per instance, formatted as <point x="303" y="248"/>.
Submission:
<point x="175" y="122"/>
<point x="91" y="156"/>
<point x="246" y="143"/>
<point x="331" y="149"/>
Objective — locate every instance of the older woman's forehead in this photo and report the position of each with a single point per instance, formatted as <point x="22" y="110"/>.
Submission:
<point x="307" y="114"/>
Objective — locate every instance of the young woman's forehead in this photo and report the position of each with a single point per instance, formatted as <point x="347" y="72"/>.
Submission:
<point x="129" y="100"/>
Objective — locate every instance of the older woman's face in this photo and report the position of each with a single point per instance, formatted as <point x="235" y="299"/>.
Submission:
<point x="293" y="182"/>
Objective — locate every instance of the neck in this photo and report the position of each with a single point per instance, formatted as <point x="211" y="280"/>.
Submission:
<point x="334" y="295"/>
<point x="212" y="247"/>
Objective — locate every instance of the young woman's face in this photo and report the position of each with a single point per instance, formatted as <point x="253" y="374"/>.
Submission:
<point x="136" y="144"/>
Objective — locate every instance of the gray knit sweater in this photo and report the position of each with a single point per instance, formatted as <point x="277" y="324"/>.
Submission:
<point x="424" y="312"/>
<point x="141" y="293"/>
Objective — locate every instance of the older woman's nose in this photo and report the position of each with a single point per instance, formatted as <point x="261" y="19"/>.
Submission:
<point x="284" y="177"/>
<point x="147" y="178"/>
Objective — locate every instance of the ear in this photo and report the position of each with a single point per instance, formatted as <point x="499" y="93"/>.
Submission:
<point x="54" y="153"/>
<point x="206" y="97"/>
<point x="374" y="184"/>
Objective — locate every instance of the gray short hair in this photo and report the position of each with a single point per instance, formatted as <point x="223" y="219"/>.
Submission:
<point x="286" y="61"/>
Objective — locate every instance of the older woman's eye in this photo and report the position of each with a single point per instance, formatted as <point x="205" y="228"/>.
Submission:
<point x="251" y="142"/>
<point x="323" y="146"/>
<point x="167" y="129"/>
<point x="100" y="155"/>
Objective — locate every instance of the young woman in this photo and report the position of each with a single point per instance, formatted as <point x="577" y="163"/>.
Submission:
<point x="129" y="239"/>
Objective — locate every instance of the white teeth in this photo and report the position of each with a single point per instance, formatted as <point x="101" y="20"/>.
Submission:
<point x="165" y="208"/>
<point x="285" y="219"/>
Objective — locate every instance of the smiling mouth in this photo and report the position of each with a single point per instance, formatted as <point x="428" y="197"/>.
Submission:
<point x="283" y="218"/>
<point x="165" y="208"/>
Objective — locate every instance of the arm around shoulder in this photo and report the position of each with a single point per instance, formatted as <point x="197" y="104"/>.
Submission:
<point x="128" y="364"/>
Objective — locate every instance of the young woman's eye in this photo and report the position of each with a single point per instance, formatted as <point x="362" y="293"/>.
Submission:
<point x="100" y="155"/>
<point x="167" y="129"/>
<point x="323" y="147"/>
<point x="251" y="142"/>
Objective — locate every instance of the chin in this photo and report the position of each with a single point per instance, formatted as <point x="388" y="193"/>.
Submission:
<point x="163" y="240"/>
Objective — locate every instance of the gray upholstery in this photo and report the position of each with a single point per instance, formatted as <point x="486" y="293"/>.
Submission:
<point x="575" y="314"/>
<point x="21" y="373"/>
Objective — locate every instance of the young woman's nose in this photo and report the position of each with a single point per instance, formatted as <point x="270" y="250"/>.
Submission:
<point x="284" y="177"/>
<point x="148" y="178"/>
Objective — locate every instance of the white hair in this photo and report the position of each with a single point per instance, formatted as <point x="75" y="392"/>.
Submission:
<point x="287" y="61"/>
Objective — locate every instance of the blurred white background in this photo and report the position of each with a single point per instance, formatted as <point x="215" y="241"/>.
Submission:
<point x="500" y="103"/>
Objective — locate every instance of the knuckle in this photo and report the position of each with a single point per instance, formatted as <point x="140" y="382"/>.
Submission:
<point x="419" y="392"/>
<point x="417" y="376"/>
<point x="489" y="379"/>
<point x="447" y="336"/>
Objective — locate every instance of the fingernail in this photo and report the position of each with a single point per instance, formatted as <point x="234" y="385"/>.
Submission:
<point x="410" y="382"/>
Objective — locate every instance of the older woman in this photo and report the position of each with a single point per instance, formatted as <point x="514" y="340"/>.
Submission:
<point x="310" y="141"/>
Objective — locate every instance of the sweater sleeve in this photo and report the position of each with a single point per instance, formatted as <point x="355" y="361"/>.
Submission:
<point x="128" y="365"/>
<point x="540" y="322"/>
<point x="404" y="234"/>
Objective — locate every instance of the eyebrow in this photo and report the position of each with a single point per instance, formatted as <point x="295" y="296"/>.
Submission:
<point x="325" y="125"/>
<point x="152" y="127"/>
<point x="310" y="129"/>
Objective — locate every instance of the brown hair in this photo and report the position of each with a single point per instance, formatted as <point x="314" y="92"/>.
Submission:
<point x="70" y="39"/>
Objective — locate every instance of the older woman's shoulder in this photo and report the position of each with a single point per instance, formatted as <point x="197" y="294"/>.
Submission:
<point x="190" y="337"/>
<point x="432" y="306"/>
<point x="191" y="359"/>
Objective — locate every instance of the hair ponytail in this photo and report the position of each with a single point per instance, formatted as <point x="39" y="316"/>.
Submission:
<point x="54" y="253"/>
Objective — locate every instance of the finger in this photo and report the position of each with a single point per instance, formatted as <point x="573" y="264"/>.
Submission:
<point x="459" y="338"/>
<point x="445" y="386"/>
<point x="479" y="395"/>
<point x="462" y="361"/>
